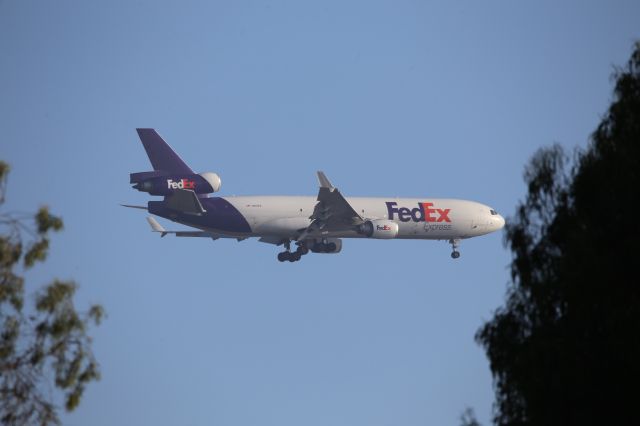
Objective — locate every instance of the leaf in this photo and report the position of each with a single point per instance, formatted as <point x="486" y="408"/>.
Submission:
<point x="37" y="252"/>
<point x="45" y="221"/>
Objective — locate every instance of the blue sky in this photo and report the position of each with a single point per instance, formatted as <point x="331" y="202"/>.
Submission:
<point x="407" y="98"/>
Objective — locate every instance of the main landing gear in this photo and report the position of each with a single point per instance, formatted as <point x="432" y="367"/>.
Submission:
<point x="292" y="256"/>
<point x="454" y="245"/>
<point x="325" y="245"/>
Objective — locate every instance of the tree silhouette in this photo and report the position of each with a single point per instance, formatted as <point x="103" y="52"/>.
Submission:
<point x="43" y="343"/>
<point x="565" y="348"/>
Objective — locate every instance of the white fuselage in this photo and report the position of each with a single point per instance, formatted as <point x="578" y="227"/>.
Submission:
<point x="417" y="218"/>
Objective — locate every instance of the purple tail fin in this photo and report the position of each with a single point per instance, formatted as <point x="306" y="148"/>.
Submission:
<point x="160" y="153"/>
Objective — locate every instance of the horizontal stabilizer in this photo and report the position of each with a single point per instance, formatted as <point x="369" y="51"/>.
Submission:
<point x="134" y="207"/>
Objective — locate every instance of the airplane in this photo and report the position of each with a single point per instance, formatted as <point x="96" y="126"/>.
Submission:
<point x="313" y="224"/>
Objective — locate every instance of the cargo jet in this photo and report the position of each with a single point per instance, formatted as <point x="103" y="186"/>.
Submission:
<point x="299" y="224"/>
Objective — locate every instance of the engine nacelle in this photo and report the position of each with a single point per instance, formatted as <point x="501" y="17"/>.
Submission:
<point x="379" y="228"/>
<point x="213" y="179"/>
<point x="161" y="183"/>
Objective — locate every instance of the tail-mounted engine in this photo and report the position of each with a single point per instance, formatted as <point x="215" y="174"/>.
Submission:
<point x="382" y="229"/>
<point x="162" y="183"/>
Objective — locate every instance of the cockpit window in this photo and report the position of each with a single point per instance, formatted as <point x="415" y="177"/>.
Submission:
<point x="493" y="212"/>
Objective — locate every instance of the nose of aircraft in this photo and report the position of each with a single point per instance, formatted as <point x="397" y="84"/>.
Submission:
<point x="499" y="222"/>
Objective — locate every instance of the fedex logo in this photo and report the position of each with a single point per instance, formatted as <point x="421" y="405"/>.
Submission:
<point x="181" y="184"/>
<point x="425" y="212"/>
<point x="383" y="228"/>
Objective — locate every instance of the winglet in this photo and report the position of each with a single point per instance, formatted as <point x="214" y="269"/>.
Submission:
<point x="323" y="180"/>
<point x="156" y="227"/>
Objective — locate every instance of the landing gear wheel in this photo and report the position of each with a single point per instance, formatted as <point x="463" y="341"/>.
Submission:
<point x="455" y="242"/>
<point x="283" y="256"/>
<point x="289" y="256"/>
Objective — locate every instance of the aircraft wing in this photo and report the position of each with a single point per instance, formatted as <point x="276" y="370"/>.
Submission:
<point x="332" y="212"/>
<point x="156" y="227"/>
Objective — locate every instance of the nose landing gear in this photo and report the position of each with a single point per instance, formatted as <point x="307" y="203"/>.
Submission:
<point x="454" y="245"/>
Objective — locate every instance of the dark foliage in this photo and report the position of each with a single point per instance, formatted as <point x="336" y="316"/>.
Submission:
<point x="45" y="344"/>
<point x="565" y="349"/>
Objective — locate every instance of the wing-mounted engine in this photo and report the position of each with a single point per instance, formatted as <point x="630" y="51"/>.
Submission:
<point x="159" y="182"/>
<point x="379" y="228"/>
